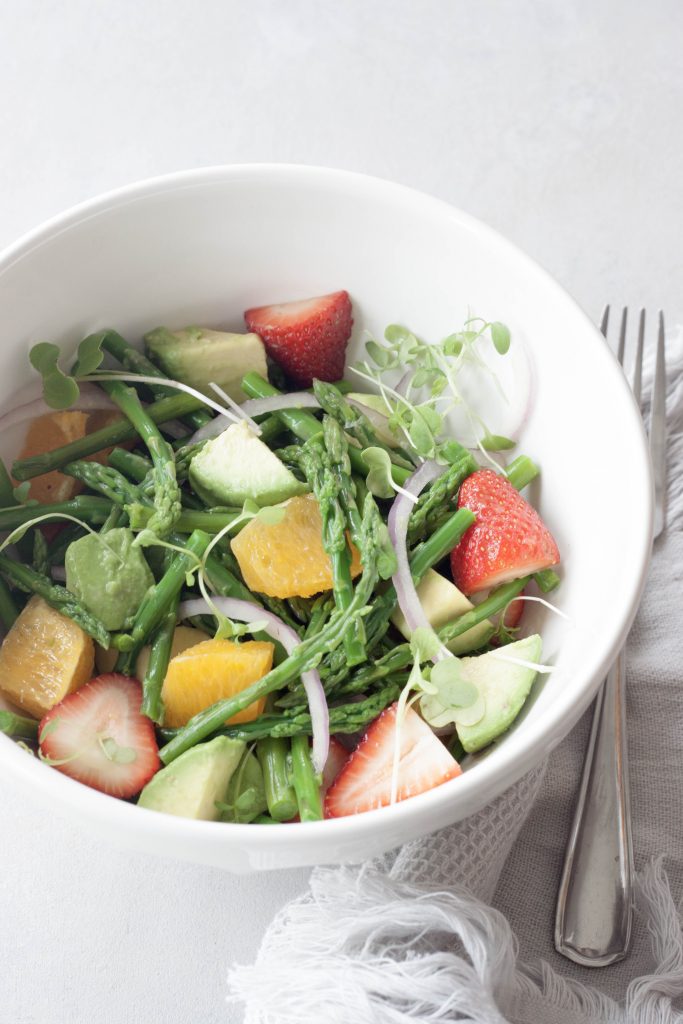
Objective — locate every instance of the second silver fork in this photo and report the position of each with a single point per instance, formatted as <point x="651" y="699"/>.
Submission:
<point x="595" y="899"/>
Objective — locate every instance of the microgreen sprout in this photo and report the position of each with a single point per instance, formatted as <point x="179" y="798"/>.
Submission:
<point x="419" y="404"/>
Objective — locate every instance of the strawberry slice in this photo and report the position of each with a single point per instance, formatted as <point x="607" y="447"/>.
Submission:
<point x="98" y="736"/>
<point x="508" y="540"/>
<point x="307" y="338"/>
<point x="336" y="759"/>
<point x="365" y="781"/>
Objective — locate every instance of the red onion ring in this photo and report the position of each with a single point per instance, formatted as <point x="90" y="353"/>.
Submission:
<point x="245" y="611"/>
<point x="399" y="514"/>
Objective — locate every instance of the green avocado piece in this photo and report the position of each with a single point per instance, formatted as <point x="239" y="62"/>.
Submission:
<point x="198" y="356"/>
<point x="246" y="797"/>
<point x="108" y="575"/>
<point x="504" y="685"/>
<point x="236" y="466"/>
<point x="442" y="602"/>
<point x="192" y="785"/>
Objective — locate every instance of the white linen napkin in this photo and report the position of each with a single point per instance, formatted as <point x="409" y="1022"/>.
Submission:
<point x="458" y="925"/>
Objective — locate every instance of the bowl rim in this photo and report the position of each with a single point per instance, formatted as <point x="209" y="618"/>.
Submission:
<point x="493" y="775"/>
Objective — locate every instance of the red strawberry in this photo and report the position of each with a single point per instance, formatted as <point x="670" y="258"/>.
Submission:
<point x="508" y="540"/>
<point x="336" y="759"/>
<point x="308" y="338"/>
<point x="365" y="781"/>
<point x="101" y="737"/>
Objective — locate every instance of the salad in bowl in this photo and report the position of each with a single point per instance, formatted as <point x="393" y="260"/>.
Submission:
<point x="245" y="581"/>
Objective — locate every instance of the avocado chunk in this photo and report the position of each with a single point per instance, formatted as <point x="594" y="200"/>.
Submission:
<point x="198" y="356"/>
<point x="192" y="785"/>
<point x="236" y="466"/>
<point x="442" y="602"/>
<point x="504" y="685"/>
<point x="108" y="575"/>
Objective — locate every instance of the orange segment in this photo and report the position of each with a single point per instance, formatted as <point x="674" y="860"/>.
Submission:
<point x="53" y="430"/>
<point x="287" y="559"/>
<point x="44" y="657"/>
<point x="210" y="671"/>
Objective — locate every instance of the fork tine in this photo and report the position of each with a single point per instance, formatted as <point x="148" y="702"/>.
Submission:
<point x="605" y="321"/>
<point x="658" y="430"/>
<point x="638" y="362"/>
<point x="622" y="336"/>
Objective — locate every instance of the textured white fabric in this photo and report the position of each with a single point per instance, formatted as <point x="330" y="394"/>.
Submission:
<point x="414" y="936"/>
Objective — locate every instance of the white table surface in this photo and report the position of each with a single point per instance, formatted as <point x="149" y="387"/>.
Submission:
<point x="559" y="123"/>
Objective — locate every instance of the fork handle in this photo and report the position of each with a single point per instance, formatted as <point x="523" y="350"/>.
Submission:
<point x="595" y="898"/>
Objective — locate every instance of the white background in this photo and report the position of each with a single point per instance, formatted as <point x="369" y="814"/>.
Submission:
<point x="557" y="122"/>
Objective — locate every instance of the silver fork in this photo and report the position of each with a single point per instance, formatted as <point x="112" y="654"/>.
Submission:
<point x="595" y="897"/>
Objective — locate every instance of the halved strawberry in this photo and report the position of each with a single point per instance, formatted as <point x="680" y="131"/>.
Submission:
<point x="336" y="759"/>
<point x="307" y="338"/>
<point x="508" y="540"/>
<point x="98" y="736"/>
<point x="365" y="781"/>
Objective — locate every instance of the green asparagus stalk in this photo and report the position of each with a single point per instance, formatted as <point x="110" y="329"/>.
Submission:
<point x="131" y="464"/>
<point x="91" y="510"/>
<point x="159" y="657"/>
<point x="306" y="782"/>
<point x="158" y="599"/>
<point x="18" y="726"/>
<point x="352" y="421"/>
<point x="108" y="481"/>
<point x="304" y="424"/>
<point x="522" y="471"/>
<point x="280" y="795"/>
<point x="26" y="578"/>
<point x="326" y="488"/>
<point x="188" y="520"/>
<point x="344" y="718"/>
<point x="305" y="656"/>
<point x="116" y="433"/>
<point x="436" y="503"/>
<point x="8" y="606"/>
<point x="166" y="491"/>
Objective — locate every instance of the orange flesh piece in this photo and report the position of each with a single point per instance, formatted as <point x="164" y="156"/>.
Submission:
<point x="287" y="559"/>
<point x="210" y="671"/>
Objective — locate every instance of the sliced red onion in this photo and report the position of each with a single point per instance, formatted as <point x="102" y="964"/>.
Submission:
<point x="245" y="611"/>
<point x="402" y="386"/>
<point x="294" y="400"/>
<point x="399" y="514"/>
<point x="59" y="573"/>
<point x="174" y="429"/>
<point x="34" y="405"/>
<point x="212" y="429"/>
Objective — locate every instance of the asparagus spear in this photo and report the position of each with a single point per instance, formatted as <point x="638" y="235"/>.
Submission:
<point x="131" y="464"/>
<point x="305" y="656"/>
<point x="188" y="520"/>
<point x="158" y="600"/>
<point x="105" y="479"/>
<point x="344" y="718"/>
<point x="26" y="578"/>
<point x="137" y="362"/>
<point x="280" y="796"/>
<point x="436" y="503"/>
<point x="166" y="491"/>
<point x="305" y="425"/>
<point x="352" y="421"/>
<point x="306" y="782"/>
<point x="326" y="488"/>
<point x="18" y="726"/>
<point x="159" y="657"/>
<point x="159" y="412"/>
<point x="522" y="471"/>
<point x="91" y="510"/>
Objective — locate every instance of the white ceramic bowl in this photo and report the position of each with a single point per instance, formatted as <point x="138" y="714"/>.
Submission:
<point x="202" y="246"/>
